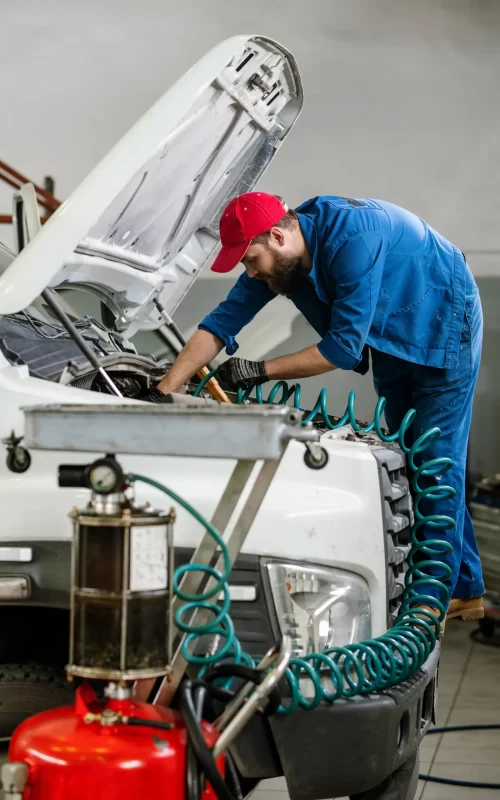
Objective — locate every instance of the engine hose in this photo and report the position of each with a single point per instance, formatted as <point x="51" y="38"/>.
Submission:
<point x="198" y="743"/>
<point x="192" y="696"/>
<point x="363" y="667"/>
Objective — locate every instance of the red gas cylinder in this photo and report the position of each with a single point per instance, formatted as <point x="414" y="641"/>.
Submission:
<point x="83" y="752"/>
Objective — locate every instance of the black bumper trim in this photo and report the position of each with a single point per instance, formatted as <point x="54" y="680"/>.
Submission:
<point x="344" y="748"/>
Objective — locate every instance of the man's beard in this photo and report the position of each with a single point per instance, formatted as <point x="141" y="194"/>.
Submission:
<point x="286" y="274"/>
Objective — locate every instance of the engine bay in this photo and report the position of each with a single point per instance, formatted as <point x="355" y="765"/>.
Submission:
<point x="50" y="353"/>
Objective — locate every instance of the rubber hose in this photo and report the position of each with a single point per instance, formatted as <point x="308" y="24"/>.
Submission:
<point x="150" y="723"/>
<point x="451" y="781"/>
<point x="199" y="745"/>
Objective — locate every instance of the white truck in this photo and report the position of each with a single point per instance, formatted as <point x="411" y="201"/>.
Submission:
<point x="134" y="236"/>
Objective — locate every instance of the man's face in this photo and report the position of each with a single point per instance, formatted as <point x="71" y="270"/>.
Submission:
<point x="272" y="261"/>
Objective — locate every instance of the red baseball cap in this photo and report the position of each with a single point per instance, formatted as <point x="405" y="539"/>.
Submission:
<point x="244" y="218"/>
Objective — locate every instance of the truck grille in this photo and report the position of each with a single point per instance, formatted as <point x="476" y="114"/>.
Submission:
<point x="398" y="519"/>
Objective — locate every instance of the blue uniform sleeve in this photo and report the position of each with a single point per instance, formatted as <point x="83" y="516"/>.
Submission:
<point x="356" y="268"/>
<point x="247" y="297"/>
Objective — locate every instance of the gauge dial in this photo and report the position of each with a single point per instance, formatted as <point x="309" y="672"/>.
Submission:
<point x="105" y="478"/>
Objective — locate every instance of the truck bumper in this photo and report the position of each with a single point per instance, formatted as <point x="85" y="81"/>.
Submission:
<point x="346" y="747"/>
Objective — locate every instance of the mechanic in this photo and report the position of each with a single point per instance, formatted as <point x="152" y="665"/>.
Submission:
<point x="372" y="279"/>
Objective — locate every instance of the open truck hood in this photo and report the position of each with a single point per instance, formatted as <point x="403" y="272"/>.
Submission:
<point x="145" y="221"/>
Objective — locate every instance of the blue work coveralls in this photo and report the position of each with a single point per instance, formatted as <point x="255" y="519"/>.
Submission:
<point x="384" y="283"/>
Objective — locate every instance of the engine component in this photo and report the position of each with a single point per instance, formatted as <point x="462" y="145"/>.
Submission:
<point x="61" y="315"/>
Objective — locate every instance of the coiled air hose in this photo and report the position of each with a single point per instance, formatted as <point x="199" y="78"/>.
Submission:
<point x="363" y="667"/>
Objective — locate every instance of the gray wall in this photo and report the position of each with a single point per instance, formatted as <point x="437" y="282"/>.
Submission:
<point x="401" y="96"/>
<point x="484" y="450"/>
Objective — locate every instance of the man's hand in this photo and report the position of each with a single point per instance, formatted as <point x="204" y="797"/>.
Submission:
<point x="239" y="373"/>
<point x="200" y="350"/>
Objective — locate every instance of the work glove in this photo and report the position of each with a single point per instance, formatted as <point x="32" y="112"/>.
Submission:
<point x="239" y="373"/>
<point x="154" y="396"/>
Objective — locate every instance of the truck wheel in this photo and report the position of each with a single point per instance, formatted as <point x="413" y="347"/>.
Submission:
<point x="27" y="689"/>
<point x="401" y="785"/>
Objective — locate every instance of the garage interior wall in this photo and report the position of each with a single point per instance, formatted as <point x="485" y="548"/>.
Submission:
<point x="401" y="103"/>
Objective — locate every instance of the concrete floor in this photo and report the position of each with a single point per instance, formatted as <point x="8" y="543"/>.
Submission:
<point x="469" y="693"/>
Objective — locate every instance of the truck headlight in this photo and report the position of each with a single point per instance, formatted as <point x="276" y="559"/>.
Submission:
<point x="319" y="607"/>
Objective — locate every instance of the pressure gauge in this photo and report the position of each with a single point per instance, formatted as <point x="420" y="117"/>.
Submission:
<point x="105" y="476"/>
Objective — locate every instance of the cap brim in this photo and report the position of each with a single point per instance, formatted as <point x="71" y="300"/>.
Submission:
<point x="229" y="258"/>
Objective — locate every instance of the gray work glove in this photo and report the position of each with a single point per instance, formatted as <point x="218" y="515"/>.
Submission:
<point x="155" y="396"/>
<point x="239" y="373"/>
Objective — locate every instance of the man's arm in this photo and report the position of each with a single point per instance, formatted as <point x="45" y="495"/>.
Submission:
<point x="303" y="364"/>
<point x="201" y="348"/>
<point x="216" y="331"/>
<point x="239" y="373"/>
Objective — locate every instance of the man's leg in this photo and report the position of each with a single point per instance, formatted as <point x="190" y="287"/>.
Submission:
<point x="443" y="398"/>
<point x="470" y="564"/>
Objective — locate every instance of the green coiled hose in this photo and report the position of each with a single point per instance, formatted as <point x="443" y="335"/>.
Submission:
<point x="362" y="667"/>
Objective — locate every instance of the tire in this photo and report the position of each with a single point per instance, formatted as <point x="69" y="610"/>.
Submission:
<point x="401" y="785"/>
<point x="27" y="689"/>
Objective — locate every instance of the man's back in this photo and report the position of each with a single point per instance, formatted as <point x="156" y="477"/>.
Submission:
<point x="388" y="273"/>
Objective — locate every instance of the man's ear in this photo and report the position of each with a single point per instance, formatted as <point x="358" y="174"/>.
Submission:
<point x="277" y="236"/>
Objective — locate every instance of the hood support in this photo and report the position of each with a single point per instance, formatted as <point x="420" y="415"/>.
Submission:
<point x="63" y="318"/>
<point x="26" y="225"/>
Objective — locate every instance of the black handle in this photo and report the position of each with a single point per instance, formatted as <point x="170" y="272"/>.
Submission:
<point x="73" y="476"/>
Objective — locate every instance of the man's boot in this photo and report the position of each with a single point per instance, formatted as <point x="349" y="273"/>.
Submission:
<point x="466" y="609"/>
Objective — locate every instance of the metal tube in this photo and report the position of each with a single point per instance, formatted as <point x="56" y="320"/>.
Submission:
<point x="78" y="339"/>
<point x="14" y="178"/>
<point x="191" y="581"/>
<point x="170" y="551"/>
<point x="125" y="594"/>
<point x="234" y="706"/>
<point x="262" y="692"/>
<point x="74" y="561"/>
<point x="169" y="322"/>
<point x="6" y="219"/>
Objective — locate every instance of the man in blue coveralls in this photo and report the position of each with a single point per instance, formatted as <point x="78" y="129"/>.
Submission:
<point x="371" y="278"/>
